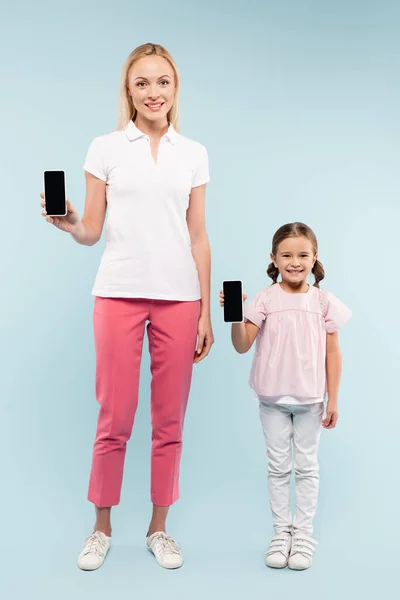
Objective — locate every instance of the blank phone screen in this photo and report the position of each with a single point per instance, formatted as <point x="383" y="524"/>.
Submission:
<point x="233" y="301"/>
<point x="54" y="192"/>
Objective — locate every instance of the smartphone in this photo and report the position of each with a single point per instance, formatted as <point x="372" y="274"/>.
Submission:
<point x="233" y="301"/>
<point x="55" y="196"/>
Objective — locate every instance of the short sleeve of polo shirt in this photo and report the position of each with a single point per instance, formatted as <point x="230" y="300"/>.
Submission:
<point x="336" y="314"/>
<point x="201" y="174"/>
<point x="256" y="309"/>
<point x="95" y="162"/>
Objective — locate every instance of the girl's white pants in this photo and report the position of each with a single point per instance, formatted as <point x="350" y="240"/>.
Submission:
<point x="283" y="426"/>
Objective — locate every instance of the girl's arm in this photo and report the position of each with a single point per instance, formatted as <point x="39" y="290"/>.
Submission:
<point x="333" y="374"/>
<point x="243" y="336"/>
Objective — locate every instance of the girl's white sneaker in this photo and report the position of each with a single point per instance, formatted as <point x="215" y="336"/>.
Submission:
<point x="165" y="549"/>
<point x="94" y="551"/>
<point x="277" y="555"/>
<point x="301" y="555"/>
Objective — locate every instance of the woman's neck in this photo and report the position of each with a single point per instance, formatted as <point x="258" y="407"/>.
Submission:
<point x="154" y="129"/>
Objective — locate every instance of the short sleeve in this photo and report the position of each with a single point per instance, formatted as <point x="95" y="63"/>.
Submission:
<point x="256" y="310"/>
<point x="335" y="313"/>
<point x="94" y="162"/>
<point x="201" y="174"/>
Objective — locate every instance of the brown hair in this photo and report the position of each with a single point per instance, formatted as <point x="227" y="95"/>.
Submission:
<point x="127" y="111"/>
<point x="296" y="230"/>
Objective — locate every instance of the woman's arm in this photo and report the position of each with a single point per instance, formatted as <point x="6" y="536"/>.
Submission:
<point x="88" y="230"/>
<point x="333" y="374"/>
<point x="195" y="217"/>
<point x="196" y="222"/>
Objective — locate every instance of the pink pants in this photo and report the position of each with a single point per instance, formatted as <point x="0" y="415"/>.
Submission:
<point x="119" y="326"/>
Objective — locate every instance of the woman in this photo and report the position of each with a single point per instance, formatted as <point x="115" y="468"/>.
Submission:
<point x="156" y="270"/>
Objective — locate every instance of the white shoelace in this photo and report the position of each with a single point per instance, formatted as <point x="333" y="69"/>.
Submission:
<point x="303" y="544"/>
<point x="94" y="544"/>
<point x="164" y="544"/>
<point x="278" y="544"/>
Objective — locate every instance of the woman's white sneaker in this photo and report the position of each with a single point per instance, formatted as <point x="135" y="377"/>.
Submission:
<point x="301" y="555"/>
<point x="165" y="549"/>
<point x="277" y="555"/>
<point x="94" y="551"/>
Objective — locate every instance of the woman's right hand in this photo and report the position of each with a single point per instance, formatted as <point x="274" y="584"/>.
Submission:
<point x="222" y="298"/>
<point x="66" y="223"/>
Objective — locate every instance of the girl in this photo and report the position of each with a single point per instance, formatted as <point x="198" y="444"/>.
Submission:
<point x="155" y="270"/>
<point x="296" y="362"/>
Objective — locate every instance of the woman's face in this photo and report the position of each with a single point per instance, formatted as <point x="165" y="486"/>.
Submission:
<point x="295" y="259"/>
<point x="151" y="85"/>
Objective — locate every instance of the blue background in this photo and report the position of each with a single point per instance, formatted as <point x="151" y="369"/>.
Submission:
<point x="298" y="105"/>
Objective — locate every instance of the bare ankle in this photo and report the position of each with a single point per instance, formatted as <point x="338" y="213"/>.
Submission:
<point x="103" y="522"/>
<point x="153" y="528"/>
<point x="106" y="529"/>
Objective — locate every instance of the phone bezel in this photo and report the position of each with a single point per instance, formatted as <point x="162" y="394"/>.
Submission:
<point x="65" y="189"/>
<point x="241" y="289"/>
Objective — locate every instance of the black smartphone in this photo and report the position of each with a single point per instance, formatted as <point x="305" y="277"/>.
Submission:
<point x="55" y="196"/>
<point x="233" y="301"/>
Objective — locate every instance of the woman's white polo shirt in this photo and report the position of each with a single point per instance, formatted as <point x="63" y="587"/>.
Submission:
<point x="148" y="251"/>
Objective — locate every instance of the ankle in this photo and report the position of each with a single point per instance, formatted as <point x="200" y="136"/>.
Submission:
<point x="106" y="529"/>
<point x="156" y="527"/>
<point x="103" y="520"/>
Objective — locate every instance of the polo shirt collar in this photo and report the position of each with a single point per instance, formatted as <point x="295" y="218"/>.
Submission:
<point x="133" y="133"/>
<point x="171" y="134"/>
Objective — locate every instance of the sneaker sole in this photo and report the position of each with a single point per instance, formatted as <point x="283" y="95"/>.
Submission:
<point x="90" y="568"/>
<point x="299" y="568"/>
<point x="276" y="566"/>
<point x="163" y="566"/>
<point x="93" y="568"/>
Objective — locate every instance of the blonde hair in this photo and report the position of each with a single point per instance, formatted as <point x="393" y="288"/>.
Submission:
<point x="127" y="111"/>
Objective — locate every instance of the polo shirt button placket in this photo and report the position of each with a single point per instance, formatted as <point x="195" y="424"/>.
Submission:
<point x="154" y="165"/>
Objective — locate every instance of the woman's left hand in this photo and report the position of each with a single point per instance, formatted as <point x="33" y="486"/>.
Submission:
<point x="205" y="339"/>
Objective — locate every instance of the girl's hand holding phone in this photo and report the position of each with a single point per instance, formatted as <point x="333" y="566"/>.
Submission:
<point x="222" y="298"/>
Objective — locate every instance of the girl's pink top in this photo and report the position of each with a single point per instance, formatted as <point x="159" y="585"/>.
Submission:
<point x="290" y="349"/>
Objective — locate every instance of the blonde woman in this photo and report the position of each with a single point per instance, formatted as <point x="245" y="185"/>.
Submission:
<point x="154" y="273"/>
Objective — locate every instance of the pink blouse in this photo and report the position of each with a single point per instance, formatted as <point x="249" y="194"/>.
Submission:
<point x="290" y="349"/>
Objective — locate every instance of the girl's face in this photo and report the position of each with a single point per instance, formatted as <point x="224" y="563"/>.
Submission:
<point x="295" y="259"/>
<point x="151" y="85"/>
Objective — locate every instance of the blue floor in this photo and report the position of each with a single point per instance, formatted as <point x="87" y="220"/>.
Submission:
<point x="223" y="567"/>
<point x="222" y="522"/>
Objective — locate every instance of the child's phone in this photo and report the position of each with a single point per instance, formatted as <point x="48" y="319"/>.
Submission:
<point x="55" y="196"/>
<point x="233" y="301"/>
